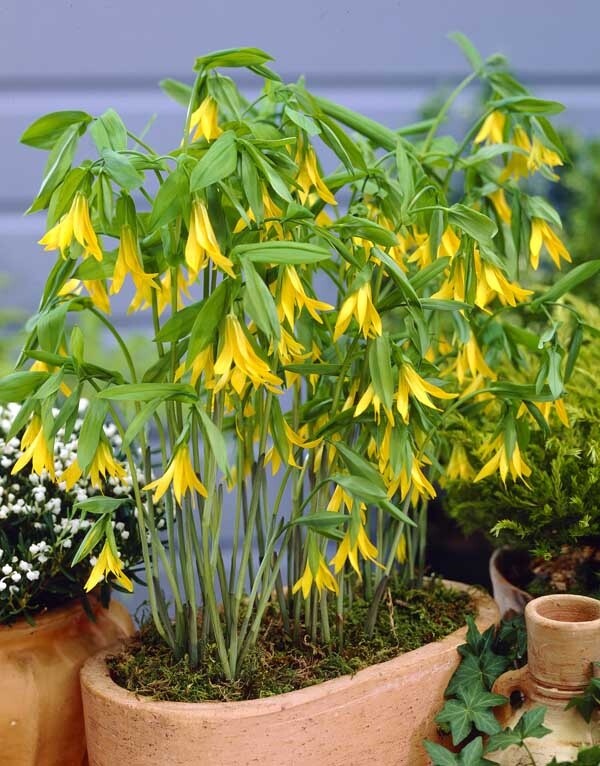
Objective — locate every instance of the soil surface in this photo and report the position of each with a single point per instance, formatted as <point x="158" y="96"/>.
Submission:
<point x="407" y="619"/>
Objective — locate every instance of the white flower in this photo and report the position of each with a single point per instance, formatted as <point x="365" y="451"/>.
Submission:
<point x="33" y="575"/>
<point x="7" y="569"/>
<point x="15" y="577"/>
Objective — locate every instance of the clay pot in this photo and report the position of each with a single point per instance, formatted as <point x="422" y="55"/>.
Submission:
<point x="510" y="598"/>
<point x="380" y="715"/>
<point x="41" y="716"/>
<point x="563" y="640"/>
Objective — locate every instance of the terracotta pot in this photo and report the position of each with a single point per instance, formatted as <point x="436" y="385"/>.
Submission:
<point x="563" y="640"/>
<point x="41" y="716"/>
<point x="510" y="598"/>
<point x="380" y="715"/>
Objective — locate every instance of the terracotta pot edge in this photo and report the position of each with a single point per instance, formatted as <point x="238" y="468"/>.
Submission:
<point x="96" y="680"/>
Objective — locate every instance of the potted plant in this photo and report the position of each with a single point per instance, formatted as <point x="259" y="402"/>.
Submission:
<point x="315" y="329"/>
<point x="48" y="625"/>
<point x="547" y="527"/>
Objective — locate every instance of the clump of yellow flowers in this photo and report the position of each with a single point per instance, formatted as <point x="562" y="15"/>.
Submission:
<point x="318" y="308"/>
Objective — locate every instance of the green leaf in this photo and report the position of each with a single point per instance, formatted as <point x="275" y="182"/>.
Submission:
<point x="399" y="277"/>
<point x="91" y="432"/>
<point x="286" y="252"/>
<point x="303" y="121"/>
<point x="216" y="441"/>
<point x="95" y="534"/>
<point x="45" y="131"/>
<point x="475" y="224"/>
<point x="567" y="283"/>
<point x="259" y="303"/>
<point x="360" y="467"/>
<point x="321" y="521"/>
<point x="472" y="707"/>
<point x="100" y="504"/>
<point x="439" y="755"/>
<point x="57" y="166"/>
<point x="470" y="51"/>
<point x="17" y="386"/>
<point x="178" y="91"/>
<point x="122" y="170"/>
<point x="180" y="324"/>
<point x="360" y="488"/>
<point x="219" y="162"/>
<point x="109" y="132"/>
<point x="480" y="670"/>
<point x="207" y="320"/>
<point x="380" y="366"/>
<point x="145" y="392"/>
<point x="140" y="420"/>
<point x="528" y="105"/>
<point x="232" y="57"/>
<point x="168" y="201"/>
<point x="588" y="702"/>
<point x="429" y="274"/>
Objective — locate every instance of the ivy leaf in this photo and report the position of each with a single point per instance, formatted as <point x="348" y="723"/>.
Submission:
<point x="482" y="671"/>
<point x="588" y="757"/>
<point x="471" y="755"/>
<point x="589" y="701"/>
<point x="472" y="707"/>
<point x="530" y="724"/>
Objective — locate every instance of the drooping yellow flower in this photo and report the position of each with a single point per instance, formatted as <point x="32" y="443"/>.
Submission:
<point x="143" y="299"/>
<point x="360" y="305"/>
<point x="537" y="154"/>
<point x="504" y="463"/>
<point x="492" y="129"/>
<point x="370" y="397"/>
<point x="498" y="199"/>
<point x="203" y="364"/>
<point x="492" y="283"/>
<point x="470" y="359"/>
<point x="39" y="366"/>
<point x="71" y="475"/>
<point x="547" y="408"/>
<point x="309" y="176"/>
<point x="129" y="263"/>
<point x="292" y="294"/>
<point x="205" y="120"/>
<point x="401" y="550"/>
<point x="180" y="474"/>
<point x="98" y="294"/>
<point x="272" y="215"/>
<point x="459" y="466"/>
<point x="104" y="465"/>
<point x="349" y="549"/>
<point x="411" y="383"/>
<point x="36" y="449"/>
<point x="202" y="245"/>
<point x="454" y="286"/>
<point x="238" y="362"/>
<point x="321" y="576"/>
<point x="76" y="224"/>
<point x="411" y="479"/>
<point x="542" y="235"/>
<point x="108" y="564"/>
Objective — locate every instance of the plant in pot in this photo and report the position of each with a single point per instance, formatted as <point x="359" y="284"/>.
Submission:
<point x="548" y="525"/>
<point x="311" y="335"/>
<point x="48" y="624"/>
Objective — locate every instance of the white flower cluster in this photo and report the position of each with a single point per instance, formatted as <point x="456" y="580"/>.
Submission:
<point x="40" y="531"/>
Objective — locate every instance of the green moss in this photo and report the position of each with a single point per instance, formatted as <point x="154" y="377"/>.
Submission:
<point x="408" y="619"/>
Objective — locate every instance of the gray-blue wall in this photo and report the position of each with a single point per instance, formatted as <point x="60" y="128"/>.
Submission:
<point x="382" y="56"/>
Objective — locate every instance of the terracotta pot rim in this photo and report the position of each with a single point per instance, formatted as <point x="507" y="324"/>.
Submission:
<point x="532" y="611"/>
<point x="50" y="619"/>
<point x="96" y="679"/>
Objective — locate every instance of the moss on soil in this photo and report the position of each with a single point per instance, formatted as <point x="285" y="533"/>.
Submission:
<point x="408" y="619"/>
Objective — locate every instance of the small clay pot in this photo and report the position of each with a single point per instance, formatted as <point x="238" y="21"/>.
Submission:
<point x="563" y="641"/>
<point x="510" y="598"/>
<point x="41" y="716"/>
<point x="380" y="715"/>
